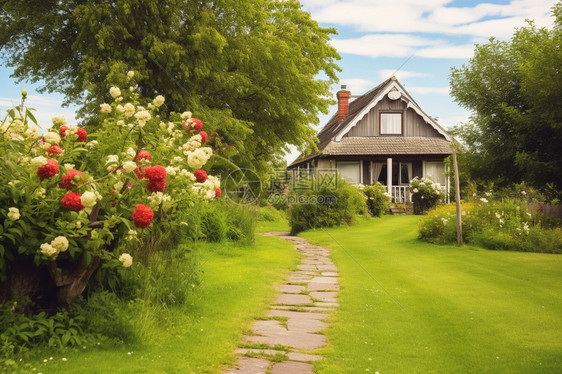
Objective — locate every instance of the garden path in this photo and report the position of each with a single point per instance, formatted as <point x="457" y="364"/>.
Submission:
<point x="281" y="342"/>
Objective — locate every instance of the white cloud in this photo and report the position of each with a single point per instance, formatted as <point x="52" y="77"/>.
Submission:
<point x="401" y="74"/>
<point x="448" y="122"/>
<point x="45" y="108"/>
<point x="401" y="45"/>
<point x="358" y="85"/>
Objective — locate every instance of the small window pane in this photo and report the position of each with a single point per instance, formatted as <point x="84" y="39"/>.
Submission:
<point x="391" y="123"/>
<point x="436" y="172"/>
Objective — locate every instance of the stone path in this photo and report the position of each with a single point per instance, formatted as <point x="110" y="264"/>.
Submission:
<point x="282" y="342"/>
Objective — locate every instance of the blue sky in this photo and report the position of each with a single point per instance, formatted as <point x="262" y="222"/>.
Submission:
<point x="375" y="37"/>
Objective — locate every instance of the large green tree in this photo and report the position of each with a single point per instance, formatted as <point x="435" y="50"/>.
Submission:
<point x="514" y="89"/>
<point x="249" y="68"/>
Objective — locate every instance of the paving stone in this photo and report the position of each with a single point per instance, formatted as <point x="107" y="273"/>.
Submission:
<point x="307" y="267"/>
<point x="303" y="357"/>
<point x="268" y="328"/>
<point x="276" y="233"/>
<point x="294" y="339"/>
<point x="293" y="299"/>
<point x="295" y="277"/>
<point x="291" y="367"/>
<point x="305" y="325"/>
<point x="270" y="352"/>
<point x="330" y="274"/>
<point x="294" y="308"/>
<point x="293" y="314"/>
<point x="315" y="286"/>
<point x="324" y="280"/>
<point x="291" y="288"/>
<point x="327" y="297"/>
<point x="327" y="305"/>
<point x="249" y="365"/>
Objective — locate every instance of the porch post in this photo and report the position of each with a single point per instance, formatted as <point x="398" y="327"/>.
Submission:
<point x="389" y="175"/>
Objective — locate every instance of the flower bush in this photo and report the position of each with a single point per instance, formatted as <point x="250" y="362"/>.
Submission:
<point x="377" y="199"/>
<point x="70" y="199"/>
<point x="505" y="225"/>
<point x="425" y="194"/>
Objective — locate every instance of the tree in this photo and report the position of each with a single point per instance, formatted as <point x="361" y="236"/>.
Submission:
<point x="254" y="64"/>
<point x="514" y="89"/>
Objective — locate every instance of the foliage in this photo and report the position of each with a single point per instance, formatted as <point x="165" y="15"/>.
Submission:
<point x="271" y="214"/>
<point x="72" y="200"/>
<point x="377" y="199"/>
<point x="504" y="224"/>
<point x="514" y="89"/>
<point x="425" y="194"/>
<point x="246" y="66"/>
<point x="326" y="208"/>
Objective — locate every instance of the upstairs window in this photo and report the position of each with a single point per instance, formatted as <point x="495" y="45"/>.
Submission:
<point x="391" y="123"/>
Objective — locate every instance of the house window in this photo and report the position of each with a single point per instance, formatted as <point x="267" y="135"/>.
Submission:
<point x="350" y="171"/>
<point x="436" y="172"/>
<point x="391" y="123"/>
<point x="401" y="171"/>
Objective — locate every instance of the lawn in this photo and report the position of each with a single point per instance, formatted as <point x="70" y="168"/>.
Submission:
<point x="425" y="308"/>
<point x="239" y="282"/>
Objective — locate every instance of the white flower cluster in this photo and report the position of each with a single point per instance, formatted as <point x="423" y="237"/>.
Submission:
<point x="208" y="188"/>
<point x="59" y="120"/>
<point x="158" y="100"/>
<point x="89" y="199"/>
<point x="126" y="259"/>
<point x="192" y="144"/>
<point x="57" y="245"/>
<point x="157" y="198"/>
<point x="52" y="138"/>
<point x="142" y="117"/>
<point x="105" y="108"/>
<point x="38" y="161"/>
<point x="199" y="157"/>
<point x="14" y="213"/>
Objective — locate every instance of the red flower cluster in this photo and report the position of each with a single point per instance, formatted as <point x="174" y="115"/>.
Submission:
<point x="156" y="178"/>
<point x="62" y="130"/>
<point x="218" y="192"/>
<point x="142" y="216"/>
<point x="54" y="150"/>
<point x="143" y="155"/>
<point x="204" y="137"/>
<point x="48" y="170"/>
<point x="68" y="179"/>
<point x="200" y="175"/>
<point x="196" y="124"/>
<point x="82" y="134"/>
<point x="71" y="201"/>
<point x="139" y="171"/>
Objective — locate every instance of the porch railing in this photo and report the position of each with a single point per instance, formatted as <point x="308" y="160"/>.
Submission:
<point x="400" y="194"/>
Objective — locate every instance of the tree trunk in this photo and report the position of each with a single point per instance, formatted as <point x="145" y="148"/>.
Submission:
<point x="71" y="278"/>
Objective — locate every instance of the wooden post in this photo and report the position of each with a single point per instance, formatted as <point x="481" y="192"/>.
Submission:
<point x="457" y="198"/>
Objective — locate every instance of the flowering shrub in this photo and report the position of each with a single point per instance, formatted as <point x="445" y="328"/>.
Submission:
<point x="425" y="194"/>
<point x="377" y="199"/>
<point x="68" y="197"/>
<point x="506" y="225"/>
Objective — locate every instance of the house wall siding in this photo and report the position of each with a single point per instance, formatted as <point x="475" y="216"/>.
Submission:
<point x="413" y="123"/>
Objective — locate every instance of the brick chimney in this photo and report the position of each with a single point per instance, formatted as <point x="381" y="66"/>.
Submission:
<point x="343" y="103"/>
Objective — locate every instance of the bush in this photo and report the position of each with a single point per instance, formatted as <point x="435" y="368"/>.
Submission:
<point x="221" y="220"/>
<point x="377" y="199"/>
<point x="505" y="225"/>
<point x="329" y="208"/>
<point x="425" y="194"/>
<point x="271" y="214"/>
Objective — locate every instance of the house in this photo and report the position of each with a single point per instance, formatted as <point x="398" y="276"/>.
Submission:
<point x="382" y="135"/>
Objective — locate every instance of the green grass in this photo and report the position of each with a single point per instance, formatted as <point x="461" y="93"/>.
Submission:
<point x="467" y="310"/>
<point x="239" y="283"/>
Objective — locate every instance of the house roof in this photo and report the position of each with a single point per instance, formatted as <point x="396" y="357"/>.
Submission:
<point x="332" y="141"/>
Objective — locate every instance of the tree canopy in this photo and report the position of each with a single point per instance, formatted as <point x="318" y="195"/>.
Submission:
<point x="514" y="89"/>
<point x="249" y="67"/>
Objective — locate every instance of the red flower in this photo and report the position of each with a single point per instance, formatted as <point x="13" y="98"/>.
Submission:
<point x="68" y="179"/>
<point x="139" y="171"/>
<point x="155" y="172"/>
<point x="155" y="185"/>
<point x="48" y="170"/>
<point x="142" y="216"/>
<point x="71" y="201"/>
<point x="143" y="155"/>
<point x="196" y="124"/>
<point x="54" y="150"/>
<point x="62" y="130"/>
<point x="200" y="175"/>
<point x="204" y="137"/>
<point x="218" y="192"/>
<point x="82" y="134"/>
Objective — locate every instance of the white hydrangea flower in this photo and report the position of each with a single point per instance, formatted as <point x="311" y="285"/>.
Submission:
<point x="126" y="259"/>
<point x="115" y="92"/>
<point x="69" y="166"/>
<point x="131" y="235"/>
<point x="143" y="115"/>
<point x="131" y="153"/>
<point x="40" y="192"/>
<point x="112" y="159"/>
<point x="38" y="161"/>
<point x="156" y="198"/>
<point x="120" y="108"/>
<point x="129" y="109"/>
<point x="130" y="74"/>
<point x="48" y="250"/>
<point x="483" y="199"/>
<point x="60" y="243"/>
<point x="129" y="166"/>
<point x="186" y="115"/>
<point x="170" y="170"/>
<point x="177" y="159"/>
<point x="52" y="138"/>
<point x="214" y="181"/>
<point x="91" y="144"/>
<point x="118" y="186"/>
<point x="105" y="108"/>
<point x="121" y="123"/>
<point x="32" y="132"/>
<point x="159" y="100"/>
<point x="14" y="213"/>
<point x="89" y="200"/>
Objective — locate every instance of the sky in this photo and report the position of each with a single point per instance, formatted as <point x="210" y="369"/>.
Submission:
<point x="418" y="41"/>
